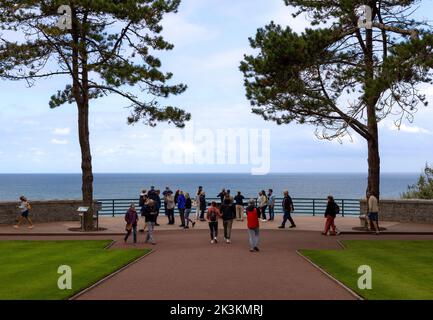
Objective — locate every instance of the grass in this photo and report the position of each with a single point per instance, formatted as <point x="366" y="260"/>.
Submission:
<point x="400" y="269"/>
<point x="28" y="269"/>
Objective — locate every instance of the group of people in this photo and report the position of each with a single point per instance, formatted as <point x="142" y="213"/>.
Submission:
<point x="152" y="201"/>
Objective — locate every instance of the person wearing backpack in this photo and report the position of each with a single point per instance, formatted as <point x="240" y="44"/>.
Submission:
<point x="253" y="225"/>
<point x="332" y="209"/>
<point x="150" y="218"/>
<point x="213" y="213"/>
<point x="228" y="212"/>
<point x="25" y="208"/>
<point x="131" y="219"/>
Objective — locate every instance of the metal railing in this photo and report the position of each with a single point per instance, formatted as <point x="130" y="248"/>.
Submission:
<point x="304" y="206"/>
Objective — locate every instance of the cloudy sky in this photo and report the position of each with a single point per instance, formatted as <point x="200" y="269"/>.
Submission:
<point x="210" y="38"/>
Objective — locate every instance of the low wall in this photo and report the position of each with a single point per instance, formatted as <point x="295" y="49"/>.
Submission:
<point x="419" y="211"/>
<point x="42" y="211"/>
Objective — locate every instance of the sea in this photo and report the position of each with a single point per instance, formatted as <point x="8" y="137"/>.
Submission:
<point x="128" y="186"/>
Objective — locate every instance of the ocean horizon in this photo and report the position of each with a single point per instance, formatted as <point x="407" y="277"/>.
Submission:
<point x="50" y="186"/>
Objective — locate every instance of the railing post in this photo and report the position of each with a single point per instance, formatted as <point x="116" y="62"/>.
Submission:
<point x="314" y="207"/>
<point x="342" y="207"/>
<point x="113" y="207"/>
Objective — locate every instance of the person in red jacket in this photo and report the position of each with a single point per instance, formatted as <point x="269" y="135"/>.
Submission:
<point x="253" y="225"/>
<point x="131" y="218"/>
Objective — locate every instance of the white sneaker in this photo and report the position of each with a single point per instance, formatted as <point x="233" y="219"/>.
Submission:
<point x="212" y="241"/>
<point x="16" y="226"/>
<point x="263" y="220"/>
<point x="228" y="241"/>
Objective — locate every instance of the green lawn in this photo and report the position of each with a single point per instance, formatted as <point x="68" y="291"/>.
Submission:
<point x="400" y="269"/>
<point x="28" y="269"/>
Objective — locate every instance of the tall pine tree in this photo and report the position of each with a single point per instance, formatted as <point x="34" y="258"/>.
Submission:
<point x="104" y="47"/>
<point x="342" y="76"/>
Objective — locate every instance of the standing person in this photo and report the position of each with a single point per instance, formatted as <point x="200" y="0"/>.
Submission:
<point x="271" y="200"/>
<point x="188" y="206"/>
<point x="263" y="203"/>
<point x="164" y="193"/>
<point x="221" y="195"/>
<point x="25" y="208"/>
<point x="181" y="200"/>
<point x="141" y="198"/>
<point x="288" y="208"/>
<point x="158" y="205"/>
<point x="239" y="200"/>
<point x="176" y="196"/>
<point x="197" y="202"/>
<point x="169" y="200"/>
<point x="131" y="219"/>
<point x="150" y="217"/>
<point x="212" y="216"/>
<point x="332" y="209"/>
<point x="373" y="212"/>
<point x="202" y="200"/>
<point x="228" y="212"/>
<point x="228" y="195"/>
<point x="152" y="193"/>
<point x="253" y="225"/>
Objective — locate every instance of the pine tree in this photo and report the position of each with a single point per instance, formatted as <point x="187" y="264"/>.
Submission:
<point x="340" y="75"/>
<point x="104" y="47"/>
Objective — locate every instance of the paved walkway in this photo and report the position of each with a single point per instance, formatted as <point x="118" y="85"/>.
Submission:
<point x="184" y="265"/>
<point x="116" y="225"/>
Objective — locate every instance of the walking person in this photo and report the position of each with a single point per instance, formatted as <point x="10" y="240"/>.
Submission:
<point x="332" y="209"/>
<point x="188" y="207"/>
<point x="150" y="217"/>
<point x="169" y="200"/>
<point x="253" y="225"/>
<point x="203" y="206"/>
<point x="131" y="219"/>
<point x="263" y="203"/>
<point x="239" y="200"/>
<point x="197" y="202"/>
<point x="228" y="213"/>
<point x="288" y="208"/>
<point x="181" y="207"/>
<point x="213" y="213"/>
<point x="373" y="213"/>
<point x="25" y="208"/>
<point x="271" y="201"/>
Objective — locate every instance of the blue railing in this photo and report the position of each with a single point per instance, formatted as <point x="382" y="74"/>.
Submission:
<point x="304" y="206"/>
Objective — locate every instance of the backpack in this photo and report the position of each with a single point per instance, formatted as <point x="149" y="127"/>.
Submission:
<point x="212" y="215"/>
<point x="28" y="206"/>
<point x="337" y="209"/>
<point x="141" y="201"/>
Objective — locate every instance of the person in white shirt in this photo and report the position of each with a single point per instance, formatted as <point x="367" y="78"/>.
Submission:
<point x="24" y="207"/>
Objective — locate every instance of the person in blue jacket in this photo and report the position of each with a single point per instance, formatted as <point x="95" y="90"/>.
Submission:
<point x="181" y="201"/>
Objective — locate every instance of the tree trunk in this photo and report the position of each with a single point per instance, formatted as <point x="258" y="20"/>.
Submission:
<point x="86" y="163"/>
<point x="373" y="187"/>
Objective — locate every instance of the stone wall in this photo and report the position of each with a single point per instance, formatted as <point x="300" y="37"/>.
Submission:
<point x="419" y="211"/>
<point x="42" y="211"/>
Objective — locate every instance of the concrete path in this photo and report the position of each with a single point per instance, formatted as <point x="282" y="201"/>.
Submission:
<point x="185" y="265"/>
<point x="116" y="225"/>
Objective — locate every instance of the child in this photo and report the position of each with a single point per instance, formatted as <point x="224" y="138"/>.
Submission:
<point x="131" y="218"/>
<point x="25" y="208"/>
<point x="212" y="217"/>
<point x="253" y="225"/>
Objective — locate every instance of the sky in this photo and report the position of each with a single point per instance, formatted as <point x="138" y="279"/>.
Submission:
<point x="210" y="38"/>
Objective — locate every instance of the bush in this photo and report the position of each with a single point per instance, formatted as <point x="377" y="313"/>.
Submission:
<point x="423" y="189"/>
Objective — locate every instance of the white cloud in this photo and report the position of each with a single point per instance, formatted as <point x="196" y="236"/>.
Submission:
<point x="409" y="129"/>
<point x="59" y="141"/>
<point x="62" y="131"/>
<point x="37" y="152"/>
<point x="181" y="32"/>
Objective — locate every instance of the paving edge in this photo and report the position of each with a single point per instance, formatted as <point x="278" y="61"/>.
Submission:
<point x="353" y="293"/>
<point x="77" y="295"/>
